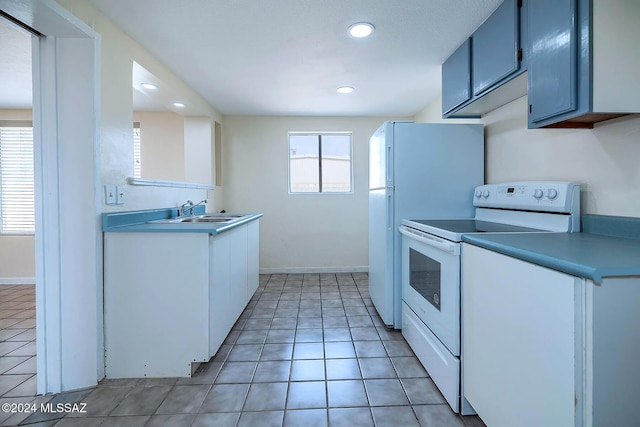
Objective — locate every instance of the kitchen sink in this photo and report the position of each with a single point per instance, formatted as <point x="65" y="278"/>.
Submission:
<point x="204" y="218"/>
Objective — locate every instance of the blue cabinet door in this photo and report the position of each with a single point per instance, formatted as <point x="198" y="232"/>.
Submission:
<point x="495" y="46"/>
<point x="553" y="58"/>
<point x="456" y="78"/>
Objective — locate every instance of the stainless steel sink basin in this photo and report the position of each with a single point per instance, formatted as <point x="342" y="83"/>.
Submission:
<point x="197" y="219"/>
<point x="204" y="218"/>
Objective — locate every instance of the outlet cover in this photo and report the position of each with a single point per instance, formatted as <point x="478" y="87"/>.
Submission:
<point x="110" y="194"/>
<point x="119" y="195"/>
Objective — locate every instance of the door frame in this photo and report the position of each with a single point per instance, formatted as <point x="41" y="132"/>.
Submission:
<point x="68" y="238"/>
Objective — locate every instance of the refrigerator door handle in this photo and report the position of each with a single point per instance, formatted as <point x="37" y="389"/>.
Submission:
<point x="388" y="161"/>
<point x="389" y="212"/>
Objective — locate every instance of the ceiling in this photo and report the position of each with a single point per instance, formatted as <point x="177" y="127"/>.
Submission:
<point x="287" y="57"/>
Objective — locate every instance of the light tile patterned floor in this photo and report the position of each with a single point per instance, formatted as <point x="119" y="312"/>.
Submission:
<point x="309" y="350"/>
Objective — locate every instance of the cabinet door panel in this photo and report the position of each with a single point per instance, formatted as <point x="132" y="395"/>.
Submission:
<point x="518" y="341"/>
<point x="456" y="78"/>
<point x="553" y="58"/>
<point x="495" y="47"/>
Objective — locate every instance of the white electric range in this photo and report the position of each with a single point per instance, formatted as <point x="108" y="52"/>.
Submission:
<point x="431" y="251"/>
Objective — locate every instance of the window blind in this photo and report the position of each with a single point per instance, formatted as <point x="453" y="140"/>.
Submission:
<point x="17" y="212"/>
<point x="137" y="158"/>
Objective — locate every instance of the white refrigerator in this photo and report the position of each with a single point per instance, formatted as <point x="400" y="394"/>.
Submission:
<point x="416" y="171"/>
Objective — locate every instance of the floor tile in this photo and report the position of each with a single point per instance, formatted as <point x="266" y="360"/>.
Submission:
<point x="295" y="357"/>
<point x="350" y="417"/>
<point x="245" y="353"/>
<point x="8" y="382"/>
<point x="365" y="334"/>
<point x="102" y="401"/>
<point x="370" y="349"/>
<point x="252" y="336"/>
<point x="396" y="416"/>
<point x="307" y="370"/>
<point x="437" y="415"/>
<point x="171" y="420"/>
<point x="409" y="367"/>
<point x="229" y="419"/>
<point x="308" y="351"/>
<point x="336" y="334"/>
<point x="303" y="395"/>
<point x="272" y="371"/>
<point x="385" y="392"/>
<point x="225" y="398"/>
<point x="306" y="418"/>
<point x="142" y="401"/>
<point x="130" y="421"/>
<point x="7" y="363"/>
<point x="398" y="348"/>
<point x="262" y="419"/>
<point x="308" y="335"/>
<point x="266" y="397"/>
<point x="236" y="372"/>
<point x="346" y="393"/>
<point x="422" y="391"/>
<point x="377" y="367"/>
<point x="183" y="399"/>
<point x="339" y="350"/>
<point x="335" y="322"/>
<point x="342" y="369"/>
<point x="277" y="352"/>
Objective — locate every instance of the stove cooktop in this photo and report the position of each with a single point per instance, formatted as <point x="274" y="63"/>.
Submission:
<point x="453" y="229"/>
<point x="473" y="226"/>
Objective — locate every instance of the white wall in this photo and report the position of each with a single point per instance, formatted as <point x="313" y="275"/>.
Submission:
<point x="119" y="52"/>
<point x="161" y="144"/>
<point x="605" y="160"/>
<point x="299" y="232"/>
<point x="17" y="252"/>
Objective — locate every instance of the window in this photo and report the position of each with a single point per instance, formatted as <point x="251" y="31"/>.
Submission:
<point x="137" y="164"/>
<point x="320" y="163"/>
<point x="17" y="211"/>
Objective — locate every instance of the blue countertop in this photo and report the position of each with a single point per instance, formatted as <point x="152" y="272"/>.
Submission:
<point x="599" y="251"/>
<point x="142" y="222"/>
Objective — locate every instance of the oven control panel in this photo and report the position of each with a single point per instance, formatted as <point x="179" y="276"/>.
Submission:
<point x="541" y="196"/>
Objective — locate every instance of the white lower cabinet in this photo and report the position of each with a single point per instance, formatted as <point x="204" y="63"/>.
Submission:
<point x="543" y="348"/>
<point x="170" y="299"/>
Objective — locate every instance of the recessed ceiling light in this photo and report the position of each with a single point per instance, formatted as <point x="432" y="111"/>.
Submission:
<point x="178" y="104"/>
<point x="361" y="29"/>
<point x="345" y="89"/>
<point x="149" y="86"/>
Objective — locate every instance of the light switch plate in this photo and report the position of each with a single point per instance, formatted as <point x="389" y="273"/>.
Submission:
<point x="110" y="194"/>
<point x="119" y="195"/>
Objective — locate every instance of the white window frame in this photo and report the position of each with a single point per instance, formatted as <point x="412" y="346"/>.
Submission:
<point x="20" y="220"/>
<point x="320" y="135"/>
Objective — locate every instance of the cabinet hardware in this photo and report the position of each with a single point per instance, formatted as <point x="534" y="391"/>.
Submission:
<point x="530" y="109"/>
<point x="520" y="54"/>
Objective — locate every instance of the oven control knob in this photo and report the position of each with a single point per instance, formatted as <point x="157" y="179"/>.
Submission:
<point x="485" y="193"/>
<point x="537" y="193"/>
<point x="478" y="194"/>
<point x="552" y="193"/>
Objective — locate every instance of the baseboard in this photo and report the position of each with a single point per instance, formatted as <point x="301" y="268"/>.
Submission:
<point x="310" y="270"/>
<point x="17" y="281"/>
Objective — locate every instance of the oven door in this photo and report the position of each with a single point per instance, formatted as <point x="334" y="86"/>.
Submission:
<point x="431" y="283"/>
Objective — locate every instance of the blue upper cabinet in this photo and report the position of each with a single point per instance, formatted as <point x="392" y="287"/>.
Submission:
<point x="583" y="61"/>
<point x="456" y="78"/>
<point x="487" y="71"/>
<point x="496" y="48"/>
<point x="553" y="53"/>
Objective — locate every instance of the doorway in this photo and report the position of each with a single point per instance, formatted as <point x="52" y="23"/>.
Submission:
<point x="17" y="216"/>
<point x="68" y="250"/>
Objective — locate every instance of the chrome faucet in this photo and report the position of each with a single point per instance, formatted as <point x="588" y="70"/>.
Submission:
<point x="189" y="206"/>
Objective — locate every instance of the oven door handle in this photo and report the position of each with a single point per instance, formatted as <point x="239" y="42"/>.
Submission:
<point x="443" y="245"/>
